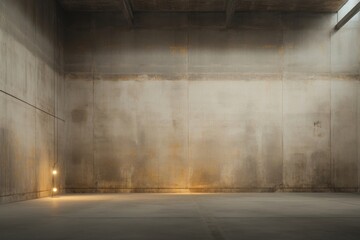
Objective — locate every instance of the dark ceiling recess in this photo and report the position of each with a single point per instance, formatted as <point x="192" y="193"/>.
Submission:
<point x="205" y="5"/>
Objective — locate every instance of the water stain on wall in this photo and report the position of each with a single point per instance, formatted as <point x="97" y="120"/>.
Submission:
<point x="320" y="169"/>
<point x="78" y="115"/>
<point x="297" y="177"/>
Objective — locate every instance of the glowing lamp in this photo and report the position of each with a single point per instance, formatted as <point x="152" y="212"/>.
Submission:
<point x="54" y="172"/>
<point x="54" y="189"/>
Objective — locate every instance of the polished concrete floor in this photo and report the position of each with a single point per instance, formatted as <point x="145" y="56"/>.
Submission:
<point x="184" y="216"/>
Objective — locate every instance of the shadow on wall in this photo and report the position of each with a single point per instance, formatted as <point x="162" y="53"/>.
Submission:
<point x="45" y="40"/>
<point x="158" y="43"/>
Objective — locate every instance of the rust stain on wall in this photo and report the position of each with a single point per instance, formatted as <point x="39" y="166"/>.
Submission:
<point x="178" y="50"/>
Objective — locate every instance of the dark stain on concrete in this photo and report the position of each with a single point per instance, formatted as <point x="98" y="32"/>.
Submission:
<point x="317" y="129"/>
<point x="247" y="170"/>
<point x="146" y="162"/>
<point x="320" y="166"/>
<point x="78" y="115"/>
<point x="76" y="157"/>
<point x="272" y="155"/>
<point x="317" y="124"/>
<point x="248" y="175"/>
<point x="297" y="167"/>
<point x="110" y="170"/>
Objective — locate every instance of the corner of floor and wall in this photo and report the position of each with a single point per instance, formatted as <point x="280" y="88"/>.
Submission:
<point x="176" y="103"/>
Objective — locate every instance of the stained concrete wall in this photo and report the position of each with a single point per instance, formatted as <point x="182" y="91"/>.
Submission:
<point x="180" y="103"/>
<point x="32" y="117"/>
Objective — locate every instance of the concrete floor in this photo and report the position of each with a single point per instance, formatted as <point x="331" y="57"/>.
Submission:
<point x="184" y="216"/>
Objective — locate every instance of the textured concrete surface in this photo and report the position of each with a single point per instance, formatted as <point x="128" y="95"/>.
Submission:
<point x="184" y="216"/>
<point x="306" y="132"/>
<point x="179" y="103"/>
<point x="31" y="98"/>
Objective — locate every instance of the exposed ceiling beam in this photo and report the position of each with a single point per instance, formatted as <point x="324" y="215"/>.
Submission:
<point x="230" y="10"/>
<point x="127" y="11"/>
<point x="348" y="16"/>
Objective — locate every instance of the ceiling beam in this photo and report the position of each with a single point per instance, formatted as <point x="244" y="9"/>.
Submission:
<point x="127" y="11"/>
<point x="348" y="16"/>
<point x="230" y="10"/>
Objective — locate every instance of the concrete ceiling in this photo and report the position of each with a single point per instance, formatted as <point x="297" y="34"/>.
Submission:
<point x="205" y="5"/>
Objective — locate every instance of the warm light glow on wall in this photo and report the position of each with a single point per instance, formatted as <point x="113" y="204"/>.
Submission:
<point x="54" y="188"/>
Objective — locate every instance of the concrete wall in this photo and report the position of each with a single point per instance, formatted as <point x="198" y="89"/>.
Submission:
<point x="32" y="120"/>
<point x="180" y="103"/>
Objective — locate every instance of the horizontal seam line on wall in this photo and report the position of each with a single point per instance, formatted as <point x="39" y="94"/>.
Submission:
<point x="32" y="105"/>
